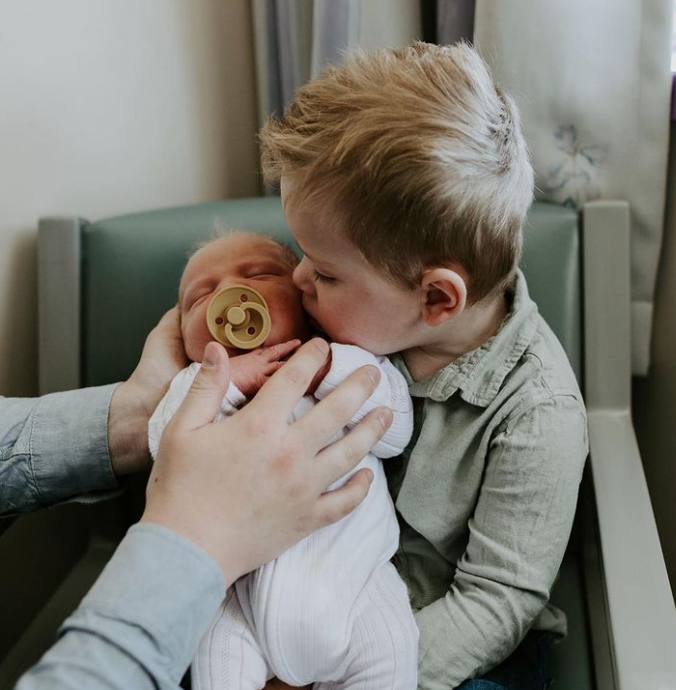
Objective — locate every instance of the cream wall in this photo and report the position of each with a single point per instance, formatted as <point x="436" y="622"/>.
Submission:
<point x="109" y="107"/>
<point x="655" y="397"/>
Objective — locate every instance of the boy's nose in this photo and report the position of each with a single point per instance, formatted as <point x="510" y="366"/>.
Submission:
<point x="301" y="277"/>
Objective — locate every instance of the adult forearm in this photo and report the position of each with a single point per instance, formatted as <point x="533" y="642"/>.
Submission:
<point x="141" y="622"/>
<point x="54" y="448"/>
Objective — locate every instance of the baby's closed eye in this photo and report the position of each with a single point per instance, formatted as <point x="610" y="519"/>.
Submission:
<point x="264" y="276"/>
<point x="196" y="299"/>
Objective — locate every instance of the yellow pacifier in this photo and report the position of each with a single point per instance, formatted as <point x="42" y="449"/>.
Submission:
<point x="238" y="317"/>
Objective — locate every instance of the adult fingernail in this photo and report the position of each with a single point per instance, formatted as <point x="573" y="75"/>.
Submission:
<point x="374" y="374"/>
<point x="386" y="418"/>
<point x="210" y="355"/>
<point x="322" y="345"/>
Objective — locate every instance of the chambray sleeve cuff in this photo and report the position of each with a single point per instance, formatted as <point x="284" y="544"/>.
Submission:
<point x="69" y="444"/>
<point x="57" y="450"/>
<point x="153" y="601"/>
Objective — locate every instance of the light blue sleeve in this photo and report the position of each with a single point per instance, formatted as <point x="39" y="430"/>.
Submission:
<point x="55" y="449"/>
<point x="141" y="622"/>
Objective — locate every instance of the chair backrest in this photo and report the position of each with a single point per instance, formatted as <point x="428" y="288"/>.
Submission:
<point x="132" y="265"/>
<point x="104" y="285"/>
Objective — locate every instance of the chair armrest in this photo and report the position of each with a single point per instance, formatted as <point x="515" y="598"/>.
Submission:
<point x="640" y="604"/>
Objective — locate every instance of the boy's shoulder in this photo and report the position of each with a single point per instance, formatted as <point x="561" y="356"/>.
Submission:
<point x="542" y="372"/>
<point x="522" y="364"/>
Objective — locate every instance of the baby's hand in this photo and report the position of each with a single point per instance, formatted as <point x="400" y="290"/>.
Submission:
<point x="250" y="371"/>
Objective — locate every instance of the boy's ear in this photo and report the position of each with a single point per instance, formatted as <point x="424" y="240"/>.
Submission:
<point x="445" y="293"/>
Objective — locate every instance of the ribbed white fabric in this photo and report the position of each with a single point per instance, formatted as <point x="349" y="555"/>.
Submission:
<point x="381" y="652"/>
<point x="331" y="609"/>
<point x="379" y="655"/>
<point x="229" y="655"/>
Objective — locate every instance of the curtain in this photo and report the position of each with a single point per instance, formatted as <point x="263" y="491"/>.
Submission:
<point x="455" y="20"/>
<point x="593" y="83"/>
<point x="295" y="39"/>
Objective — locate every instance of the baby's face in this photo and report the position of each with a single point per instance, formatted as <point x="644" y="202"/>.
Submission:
<point x="246" y="259"/>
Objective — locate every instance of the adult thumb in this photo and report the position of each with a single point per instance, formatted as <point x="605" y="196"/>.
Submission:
<point x="206" y="393"/>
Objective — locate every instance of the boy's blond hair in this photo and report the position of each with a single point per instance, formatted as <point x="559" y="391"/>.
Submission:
<point x="420" y="155"/>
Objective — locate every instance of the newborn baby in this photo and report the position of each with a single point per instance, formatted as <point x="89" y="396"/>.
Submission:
<point x="332" y="609"/>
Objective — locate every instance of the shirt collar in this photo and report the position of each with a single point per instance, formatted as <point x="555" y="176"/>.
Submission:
<point x="478" y="375"/>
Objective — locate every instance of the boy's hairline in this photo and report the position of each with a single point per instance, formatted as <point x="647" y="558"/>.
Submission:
<point x="317" y="194"/>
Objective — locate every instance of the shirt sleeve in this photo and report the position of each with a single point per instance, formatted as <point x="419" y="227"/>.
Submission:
<point x="517" y="537"/>
<point x="392" y="392"/>
<point x="141" y="622"/>
<point x="55" y="448"/>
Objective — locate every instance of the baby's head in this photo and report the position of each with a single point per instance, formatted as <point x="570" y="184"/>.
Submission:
<point x="243" y="258"/>
<point x="415" y="158"/>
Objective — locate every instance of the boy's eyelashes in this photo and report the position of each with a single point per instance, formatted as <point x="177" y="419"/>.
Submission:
<point x="317" y="276"/>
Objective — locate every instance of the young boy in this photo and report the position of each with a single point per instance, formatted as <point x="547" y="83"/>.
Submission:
<point x="332" y="609"/>
<point x="405" y="180"/>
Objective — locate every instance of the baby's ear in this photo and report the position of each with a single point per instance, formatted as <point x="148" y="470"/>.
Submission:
<point x="445" y="292"/>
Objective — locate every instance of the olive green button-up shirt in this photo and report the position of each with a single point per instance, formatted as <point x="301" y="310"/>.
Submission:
<point x="485" y="494"/>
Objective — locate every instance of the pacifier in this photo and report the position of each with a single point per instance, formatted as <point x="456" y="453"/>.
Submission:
<point x="238" y="316"/>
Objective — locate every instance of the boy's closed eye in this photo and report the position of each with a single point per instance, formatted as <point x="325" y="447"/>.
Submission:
<point x="317" y="276"/>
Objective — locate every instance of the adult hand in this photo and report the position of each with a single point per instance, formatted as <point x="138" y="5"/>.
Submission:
<point x="135" y="400"/>
<point x="248" y="487"/>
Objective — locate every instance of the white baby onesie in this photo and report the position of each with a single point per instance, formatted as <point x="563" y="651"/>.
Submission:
<point x="332" y="609"/>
